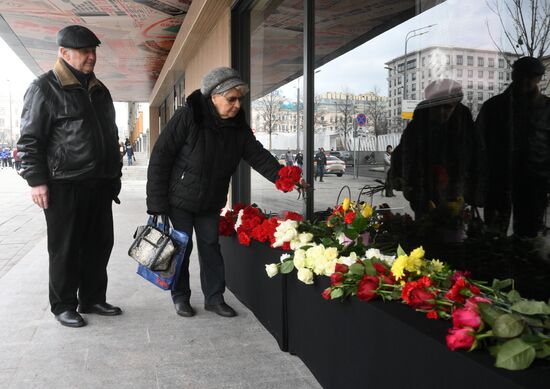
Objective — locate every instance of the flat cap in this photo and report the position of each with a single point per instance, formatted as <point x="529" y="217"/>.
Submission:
<point x="76" y="37"/>
<point x="219" y="80"/>
<point x="529" y="66"/>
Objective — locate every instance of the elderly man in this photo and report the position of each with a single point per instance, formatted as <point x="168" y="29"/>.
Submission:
<point x="515" y="125"/>
<point x="70" y="159"/>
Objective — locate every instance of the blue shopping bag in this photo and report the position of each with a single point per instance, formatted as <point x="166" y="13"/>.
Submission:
<point x="166" y="279"/>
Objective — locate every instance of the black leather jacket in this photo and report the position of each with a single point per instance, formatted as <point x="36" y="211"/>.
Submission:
<point x="68" y="133"/>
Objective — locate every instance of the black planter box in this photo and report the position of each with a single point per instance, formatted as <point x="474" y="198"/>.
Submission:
<point x="245" y="276"/>
<point x="376" y="344"/>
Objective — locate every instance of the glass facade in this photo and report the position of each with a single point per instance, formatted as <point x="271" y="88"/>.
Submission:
<point x="368" y="56"/>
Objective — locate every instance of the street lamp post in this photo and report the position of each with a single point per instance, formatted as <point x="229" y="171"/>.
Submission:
<point x="411" y="34"/>
<point x="11" y="128"/>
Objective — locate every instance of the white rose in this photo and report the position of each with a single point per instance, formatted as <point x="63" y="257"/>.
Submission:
<point x="305" y="275"/>
<point x="348" y="260"/>
<point x="239" y="219"/>
<point x="373" y="253"/>
<point x="340" y="237"/>
<point x="272" y="270"/>
<point x="331" y="253"/>
<point x="299" y="258"/>
<point x="285" y="256"/>
<point x="305" y="237"/>
<point x="330" y="268"/>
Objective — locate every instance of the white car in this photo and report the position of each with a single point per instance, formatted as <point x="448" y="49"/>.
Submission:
<point x="335" y="166"/>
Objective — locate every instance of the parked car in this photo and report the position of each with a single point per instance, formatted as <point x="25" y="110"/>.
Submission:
<point x="345" y="156"/>
<point x="335" y="166"/>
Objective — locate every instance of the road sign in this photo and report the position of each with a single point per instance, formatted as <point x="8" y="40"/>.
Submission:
<point x="407" y="108"/>
<point x="361" y="119"/>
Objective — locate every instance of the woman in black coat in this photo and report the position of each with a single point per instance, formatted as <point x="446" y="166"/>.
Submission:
<point x="189" y="172"/>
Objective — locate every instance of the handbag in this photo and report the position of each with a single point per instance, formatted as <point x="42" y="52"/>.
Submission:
<point x="153" y="247"/>
<point x="166" y="279"/>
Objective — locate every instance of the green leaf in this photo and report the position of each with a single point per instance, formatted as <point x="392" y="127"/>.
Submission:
<point x="493" y="350"/>
<point x="369" y="268"/>
<point x="357" y="268"/>
<point x="544" y="352"/>
<point x="515" y="354"/>
<point x="530" y="307"/>
<point x="501" y="284"/>
<point x="287" y="267"/>
<point x="507" y="326"/>
<point x="489" y="313"/>
<point x="514" y="296"/>
<point x="336" y="293"/>
<point x="327" y="242"/>
<point x="400" y="251"/>
<point x="351" y="233"/>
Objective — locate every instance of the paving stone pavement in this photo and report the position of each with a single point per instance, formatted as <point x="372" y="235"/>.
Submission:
<point x="149" y="346"/>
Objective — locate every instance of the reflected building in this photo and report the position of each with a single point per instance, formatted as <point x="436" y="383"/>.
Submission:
<point x="482" y="74"/>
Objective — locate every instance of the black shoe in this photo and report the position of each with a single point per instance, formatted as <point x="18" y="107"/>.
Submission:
<point x="70" y="319"/>
<point x="183" y="308"/>
<point x="102" y="309"/>
<point x="221" y="309"/>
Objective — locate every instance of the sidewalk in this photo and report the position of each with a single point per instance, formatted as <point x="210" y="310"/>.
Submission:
<point x="149" y="346"/>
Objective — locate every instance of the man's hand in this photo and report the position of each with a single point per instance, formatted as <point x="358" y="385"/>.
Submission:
<point x="39" y="195"/>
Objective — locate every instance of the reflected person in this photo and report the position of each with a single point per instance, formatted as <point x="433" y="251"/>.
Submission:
<point x="436" y="161"/>
<point x="516" y="128"/>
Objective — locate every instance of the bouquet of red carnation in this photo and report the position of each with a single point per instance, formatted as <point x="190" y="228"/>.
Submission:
<point x="289" y="178"/>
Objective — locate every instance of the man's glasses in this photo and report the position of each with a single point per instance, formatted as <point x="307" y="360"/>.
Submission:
<point x="233" y="99"/>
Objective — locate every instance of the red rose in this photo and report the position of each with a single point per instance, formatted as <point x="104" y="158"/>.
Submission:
<point x="388" y="279"/>
<point x="286" y="246"/>
<point x="461" y="290"/>
<point x="336" y="279"/>
<point x="289" y="215"/>
<point x="417" y="295"/>
<point x="460" y="338"/>
<point x="244" y="239"/>
<point x="326" y="293"/>
<point x="432" y="315"/>
<point x="471" y="303"/>
<point x="463" y="317"/>
<point x="366" y="289"/>
<point x="341" y="268"/>
<point x="338" y="210"/>
<point x="226" y="227"/>
<point x="350" y="216"/>
<point x="380" y="269"/>
<point x="285" y="184"/>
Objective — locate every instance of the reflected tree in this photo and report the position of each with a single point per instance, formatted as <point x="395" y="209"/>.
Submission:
<point x="269" y="109"/>
<point x="529" y="32"/>
<point x="345" y="108"/>
<point x="375" y="110"/>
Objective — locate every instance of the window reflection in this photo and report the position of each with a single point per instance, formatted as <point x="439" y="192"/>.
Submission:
<point x="366" y="64"/>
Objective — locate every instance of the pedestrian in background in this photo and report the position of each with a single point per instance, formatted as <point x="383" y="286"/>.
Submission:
<point x="69" y="154"/>
<point x="321" y="160"/>
<point x="289" y="158"/>
<point x="387" y="165"/>
<point x="130" y="153"/>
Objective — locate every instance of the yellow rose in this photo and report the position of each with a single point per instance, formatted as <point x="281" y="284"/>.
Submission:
<point x="345" y="204"/>
<point x="331" y="253"/>
<point x="366" y="211"/>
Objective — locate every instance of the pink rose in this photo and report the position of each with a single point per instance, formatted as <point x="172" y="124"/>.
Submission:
<point x="471" y="303"/>
<point x="464" y="317"/>
<point x="326" y="294"/>
<point x="460" y="338"/>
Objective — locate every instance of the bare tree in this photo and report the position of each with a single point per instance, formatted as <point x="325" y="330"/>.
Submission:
<point x="529" y="32"/>
<point x="269" y="109"/>
<point x="345" y="109"/>
<point x="375" y="110"/>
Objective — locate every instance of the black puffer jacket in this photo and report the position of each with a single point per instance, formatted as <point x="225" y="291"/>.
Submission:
<point x="68" y="133"/>
<point x="195" y="156"/>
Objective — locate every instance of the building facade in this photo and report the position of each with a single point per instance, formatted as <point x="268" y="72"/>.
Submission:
<point x="482" y="74"/>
